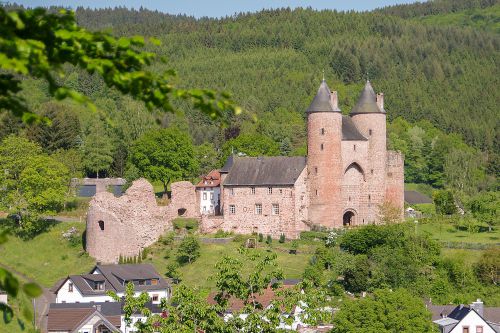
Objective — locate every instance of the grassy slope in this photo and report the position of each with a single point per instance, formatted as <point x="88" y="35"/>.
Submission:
<point x="48" y="257"/>
<point x="448" y="233"/>
<point x="487" y="19"/>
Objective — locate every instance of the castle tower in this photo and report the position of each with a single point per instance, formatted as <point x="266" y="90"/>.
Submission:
<point x="369" y="117"/>
<point x="324" y="158"/>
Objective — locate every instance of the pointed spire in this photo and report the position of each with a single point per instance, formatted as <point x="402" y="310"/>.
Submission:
<point x="322" y="100"/>
<point x="367" y="102"/>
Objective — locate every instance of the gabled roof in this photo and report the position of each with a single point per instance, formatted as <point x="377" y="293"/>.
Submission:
<point x="414" y="197"/>
<point x="367" y="102"/>
<point x="349" y="130"/>
<point x="210" y="180"/>
<point x="111" y="274"/>
<point x="322" y="101"/>
<point x="451" y="316"/>
<point x="265" y="171"/>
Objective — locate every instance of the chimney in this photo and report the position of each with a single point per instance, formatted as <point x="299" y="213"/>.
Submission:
<point x="380" y="101"/>
<point x="334" y="100"/>
<point x="478" y="306"/>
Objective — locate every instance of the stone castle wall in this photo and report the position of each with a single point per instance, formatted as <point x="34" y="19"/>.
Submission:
<point x="127" y="224"/>
<point x="395" y="180"/>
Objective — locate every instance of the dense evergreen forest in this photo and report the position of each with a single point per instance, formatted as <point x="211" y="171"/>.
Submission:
<point x="440" y="83"/>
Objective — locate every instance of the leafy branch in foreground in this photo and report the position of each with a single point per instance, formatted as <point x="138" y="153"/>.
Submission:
<point x="37" y="43"/>
<point x="11" y="285"/>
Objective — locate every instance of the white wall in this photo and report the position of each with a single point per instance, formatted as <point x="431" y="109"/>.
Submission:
<point x="209" y="199"/>
<point x="472" y="320"/>
<point x="3" y="298"/>
<point x="65" y="296"/>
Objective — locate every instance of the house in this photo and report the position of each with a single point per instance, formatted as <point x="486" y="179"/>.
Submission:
<point x="208" y="190"/>
<point x="474" y="318"/>
<point x="93" y="287"/>
<point x="107" y="317"/>
<point x="3" y="297"/>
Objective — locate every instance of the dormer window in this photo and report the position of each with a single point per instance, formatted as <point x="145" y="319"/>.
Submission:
<point x="98" y="285"/>
<point x="70" y="287"/>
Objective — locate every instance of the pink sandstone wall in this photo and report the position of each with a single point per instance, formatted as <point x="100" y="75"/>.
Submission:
<point x="324" y="168"/>
<point x="395" y="179"/>
<point x="292" y="205"/>
<point x="134" y="220"/>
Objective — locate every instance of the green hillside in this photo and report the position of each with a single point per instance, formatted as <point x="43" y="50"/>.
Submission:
<point x="487" y="19"/>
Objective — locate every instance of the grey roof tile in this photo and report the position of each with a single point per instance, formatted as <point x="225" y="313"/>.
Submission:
<point x="349" y="130"/>
<point x="367" y="102"/>
<point x="321" y="102"/>
<point x="279" y="170"/>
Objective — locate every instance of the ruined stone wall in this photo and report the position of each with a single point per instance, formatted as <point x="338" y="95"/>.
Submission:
<point x="395" y="179"/>
<point x="125" y="225"/>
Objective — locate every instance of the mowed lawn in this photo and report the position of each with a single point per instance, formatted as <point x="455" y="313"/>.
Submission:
<point x="446" y="232"/>
<point x="47" y="257"/>
<point x="199" y="273"/>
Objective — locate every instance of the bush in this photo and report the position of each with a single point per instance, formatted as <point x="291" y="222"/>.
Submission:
<point x="173" y="272"/>
<point x="313" y="235"/>
<point x="167" y="239"/>
<point x="282" y="238"/>
<point x="189" y="250"/>
<point x="269" y="240"/>
<point x="261" y="238"/>
<point x="222" y="234"/>
<point x="294" y="246"/>
<point x="488" y="267"/>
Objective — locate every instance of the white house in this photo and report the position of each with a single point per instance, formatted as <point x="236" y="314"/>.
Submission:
<point x="105" y="317"/>
<point x="93" y="287"/>
<point x="3" y="297"/>
<point x="209" y="193"/>
<point x="467" y="319"/>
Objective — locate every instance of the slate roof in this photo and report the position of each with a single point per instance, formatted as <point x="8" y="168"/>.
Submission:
<point x="455" y="314"/>
<point x="111" y="274"/>
<point x="227" y="166"/>
<point x="321" y="102"/>
<point x="261" y="171"/>
<point x="367" y="102"/>
<point x="349" y="130"/>
<point x="414" y="197"/>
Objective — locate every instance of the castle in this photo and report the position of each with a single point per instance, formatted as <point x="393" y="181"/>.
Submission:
<point x="347" y="175"/>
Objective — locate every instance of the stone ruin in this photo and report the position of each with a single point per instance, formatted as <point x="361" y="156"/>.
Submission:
<point x="125" y="225"/>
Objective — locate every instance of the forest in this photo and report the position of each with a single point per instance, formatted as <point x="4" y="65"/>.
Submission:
<point x="437" y="79"/>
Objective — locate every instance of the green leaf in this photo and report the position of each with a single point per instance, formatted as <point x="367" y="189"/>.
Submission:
<point x="32" y="289"/>
<point x="8" y="314"/>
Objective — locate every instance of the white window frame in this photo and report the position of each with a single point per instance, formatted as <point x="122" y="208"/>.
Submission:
<point x="232" y="209"/>
<point x="269" y="190"/>
<point x="258" y="209"/>
<point x="276" y="209"/>
<point x="204" y="195"/>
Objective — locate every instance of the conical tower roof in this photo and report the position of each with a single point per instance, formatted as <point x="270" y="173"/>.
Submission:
<point x="322" y="102"/>
<point x="367" y="102"/>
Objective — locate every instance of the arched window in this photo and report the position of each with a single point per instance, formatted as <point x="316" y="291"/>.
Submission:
<point x="101" y="224"/>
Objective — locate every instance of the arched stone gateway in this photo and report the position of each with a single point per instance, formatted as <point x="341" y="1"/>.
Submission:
<point x="349" y="218"/>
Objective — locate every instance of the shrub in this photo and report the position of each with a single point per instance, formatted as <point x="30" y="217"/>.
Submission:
<point x="488" y="267"/>
<point x="145" y="253"/>
<point x="282" y="238"/>
<point x="269" y="240"/>
<point x="221" y="234"/>
<point x="184" y="223"/>
<point x="261" y="238"/>
<point x="189" y="250"/>
<point x="168" y="239"/>
<point x="173" y="272"/>
<point x="294" y="246"/>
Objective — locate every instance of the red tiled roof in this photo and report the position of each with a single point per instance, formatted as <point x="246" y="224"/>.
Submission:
<point x="210" y="180"/>
<point x="265" y="299"/>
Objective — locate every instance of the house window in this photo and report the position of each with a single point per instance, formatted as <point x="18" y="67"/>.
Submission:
<point x="155" y="298"/>
<point x="232" y="209"/>
<point x="70" y="287"/>
<point x="204" y="196"/>
<point x="252" y="190"/>
<point x="322" y="147"/>
<point x="281" y="191"/>
<point x="465" y="329"/>
<point x="269" y="190"/>
<point x="232" y="191"/>
<point x="276" y="209"/>
<point x="258" y="209"/>
<point x="479" y="329"/>
<point x="101" y="225"/>
<point x="211" y="196"/>
<point x="154" y="282"/>
<point x="322" y="131"/>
